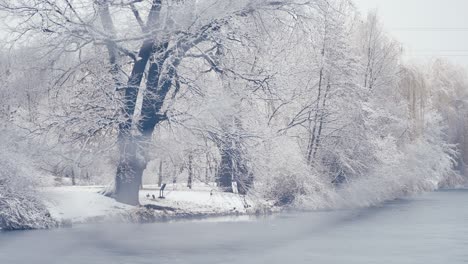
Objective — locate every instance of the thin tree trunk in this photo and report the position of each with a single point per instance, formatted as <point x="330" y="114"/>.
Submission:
<point x="190" y="172"/>
<point x="207" y="168"/>
<point x="73" y="177"/>
<point x="160" y="178"/>
<point x="108" y="25"/>
<point x="319" y="134"/>
<point x="225" y="172"/>
<point x="310" y="146"/>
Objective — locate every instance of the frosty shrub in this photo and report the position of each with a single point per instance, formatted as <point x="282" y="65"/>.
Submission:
<point x="284" y="189"/>
<point x="20" y="205"/>
<point x="421" y="166"/>
<point x="284" y="177"/>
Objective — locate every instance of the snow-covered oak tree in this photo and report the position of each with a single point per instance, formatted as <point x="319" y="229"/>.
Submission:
<point x="145" y="41"/>
<point x="292" y="100"/>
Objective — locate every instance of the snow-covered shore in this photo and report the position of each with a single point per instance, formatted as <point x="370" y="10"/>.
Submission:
<point x="84" y="204"/>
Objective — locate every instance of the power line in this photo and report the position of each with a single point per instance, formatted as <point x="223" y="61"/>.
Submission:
<point x="432" y="29"/>
<point x="437" y="55"/>
<point x="437" y="51"/>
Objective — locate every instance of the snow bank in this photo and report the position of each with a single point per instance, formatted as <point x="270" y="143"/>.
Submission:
<point x="201" y="199"/>
<point x="81" y="204"/>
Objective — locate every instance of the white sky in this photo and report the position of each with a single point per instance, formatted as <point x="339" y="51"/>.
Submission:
<point x="426" y="28"/>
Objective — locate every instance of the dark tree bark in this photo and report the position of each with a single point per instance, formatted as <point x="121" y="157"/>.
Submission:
<point x="190" y="172"/>
<point x="244" y="180"/>
<point x="131" y="161"/>
<point x="232" y="167"/>
<point x="159" y="83"/>
<point x="161" y="73"/>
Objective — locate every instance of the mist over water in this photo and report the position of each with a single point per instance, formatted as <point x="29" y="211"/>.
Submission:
<point x="430" y="228"/>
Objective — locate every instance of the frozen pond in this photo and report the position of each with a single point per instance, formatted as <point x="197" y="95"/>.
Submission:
<point x="432" y="228"/>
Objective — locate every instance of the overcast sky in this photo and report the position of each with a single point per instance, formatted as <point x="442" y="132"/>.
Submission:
<point x="427" y="28"/>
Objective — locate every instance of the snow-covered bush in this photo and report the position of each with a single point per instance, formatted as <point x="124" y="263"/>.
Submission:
<point x="283" y="176"/>
<point x="421" y="165"/>
<point x="20" y="204"/>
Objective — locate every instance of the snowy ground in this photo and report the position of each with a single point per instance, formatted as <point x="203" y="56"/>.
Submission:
<point x="200" y="199"/>
<point x="80" y="204"/>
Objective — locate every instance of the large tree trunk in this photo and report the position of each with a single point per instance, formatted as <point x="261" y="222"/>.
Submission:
<point x="159" y="82"/>
<point x="133" y="159"/>
<point x="129" y="171"/>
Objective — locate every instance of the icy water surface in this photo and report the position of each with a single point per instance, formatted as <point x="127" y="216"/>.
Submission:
<point x="432" y="228"/>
